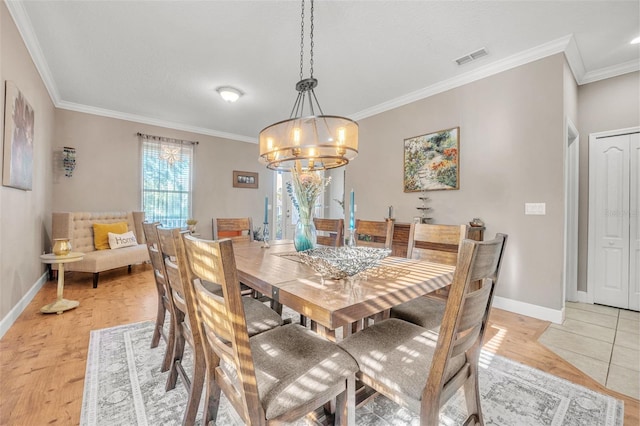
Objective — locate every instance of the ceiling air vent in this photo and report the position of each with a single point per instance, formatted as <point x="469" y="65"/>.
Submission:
<point x="471" y="56"/>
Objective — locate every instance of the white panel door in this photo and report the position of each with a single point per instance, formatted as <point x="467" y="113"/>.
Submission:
<point x="634" y="223"/>
<point x="609" y="164"/>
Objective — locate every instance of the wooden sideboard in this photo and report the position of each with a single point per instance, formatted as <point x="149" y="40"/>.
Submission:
<point x="401" y="240"/>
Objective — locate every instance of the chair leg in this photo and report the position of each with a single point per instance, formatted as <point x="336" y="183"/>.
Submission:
<point x="472" y="396"/>
<point x="195" y="393"/>
<point x="129" y="269"/>
<point x="96" y="275"/>
<point x="171" y="341"/>
<point x="178" y="352"/>
<point x="346" y="404"/>
<point x="159" y="322"/>
<point x="212" y="398"/>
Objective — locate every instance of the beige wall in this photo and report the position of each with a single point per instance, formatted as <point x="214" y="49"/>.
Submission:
<point x="511" y="152"/>
<point x="25" y="216"/>
<point x="107" y="174"/>
<point x="608" y="104"/>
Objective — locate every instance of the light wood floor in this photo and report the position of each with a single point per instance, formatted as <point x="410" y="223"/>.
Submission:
<point x="43" y="357"/>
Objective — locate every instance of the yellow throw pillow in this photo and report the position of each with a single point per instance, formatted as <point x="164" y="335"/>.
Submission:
<point x="101" y="233"/>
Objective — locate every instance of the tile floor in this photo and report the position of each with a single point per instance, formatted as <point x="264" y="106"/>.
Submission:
<point x="603" y="342"/>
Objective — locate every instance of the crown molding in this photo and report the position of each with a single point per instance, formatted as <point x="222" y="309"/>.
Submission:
<point x="522" y="58"/>
<point x="25" y="28"/>
<point x="613" y="71"/>
<point x="564" y="44"/>
<point x="574" y="59"/>
<point x="151" y="121"/>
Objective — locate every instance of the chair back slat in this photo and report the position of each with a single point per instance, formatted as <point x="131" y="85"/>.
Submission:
<point x="214" y="261"/>
<point x="374" y="233"/>
<point x="182" y="294"/>
<point x="436" y="243"/>
<point x="175" y="283"/>
<point x="330" y="231"/>
<point x="238" y="229"/>
<point x="465" y="315"/>
<point x="215" y="319"/>
<point x="474" y="308"/>
<point x="153" y="245"/>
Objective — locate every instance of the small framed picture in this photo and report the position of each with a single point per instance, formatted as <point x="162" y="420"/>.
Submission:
<point x="245" y="179"/>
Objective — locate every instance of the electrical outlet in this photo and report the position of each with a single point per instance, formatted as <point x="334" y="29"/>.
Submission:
<point x="535" y="208"/>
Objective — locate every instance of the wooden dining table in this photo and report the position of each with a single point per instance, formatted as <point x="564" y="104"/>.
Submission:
<point x="331" y="305"/>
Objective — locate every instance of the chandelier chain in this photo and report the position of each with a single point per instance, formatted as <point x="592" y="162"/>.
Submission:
<point x="311" y="41"/>
<point x="301" y="40"/>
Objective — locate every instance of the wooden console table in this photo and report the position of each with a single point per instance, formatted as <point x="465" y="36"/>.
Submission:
<point x="401" y="239"/>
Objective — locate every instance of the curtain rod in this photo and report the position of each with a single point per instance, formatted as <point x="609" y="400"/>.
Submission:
<point x="163" y="139"/>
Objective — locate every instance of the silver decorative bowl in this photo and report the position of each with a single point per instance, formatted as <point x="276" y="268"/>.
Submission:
<point x="341" y="262"/>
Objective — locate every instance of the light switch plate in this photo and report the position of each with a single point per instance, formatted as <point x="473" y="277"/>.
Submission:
<point x="535" y="208"/>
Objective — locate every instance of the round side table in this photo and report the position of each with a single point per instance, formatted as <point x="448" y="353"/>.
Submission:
<point x="60" y="305"/>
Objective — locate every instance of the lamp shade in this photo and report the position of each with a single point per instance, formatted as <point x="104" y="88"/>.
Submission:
<point x="309" y="143"/>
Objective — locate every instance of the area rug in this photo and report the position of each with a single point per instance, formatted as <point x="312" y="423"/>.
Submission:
<point x="124" y="386"/>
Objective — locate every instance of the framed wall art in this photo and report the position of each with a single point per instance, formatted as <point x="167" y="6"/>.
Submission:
<point x="245" y="179"/>
<point x="18" y="139"/>
<point x="431" y="161"/>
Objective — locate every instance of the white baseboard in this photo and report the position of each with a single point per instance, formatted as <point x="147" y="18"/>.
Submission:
<point x="15" y="312"/>
<point x="523" y="308"/>
<point x="583" y="297"/>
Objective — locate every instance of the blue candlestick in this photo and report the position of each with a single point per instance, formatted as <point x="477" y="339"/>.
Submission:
<point x="352" y="220"/>
<point x="266" y="210"/>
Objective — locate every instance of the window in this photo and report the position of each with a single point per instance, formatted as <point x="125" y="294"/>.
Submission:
<point x="167" y="166"/>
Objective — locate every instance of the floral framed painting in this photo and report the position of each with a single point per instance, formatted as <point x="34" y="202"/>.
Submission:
<point x="431" y="161"/>
<point x="18" y="139"/>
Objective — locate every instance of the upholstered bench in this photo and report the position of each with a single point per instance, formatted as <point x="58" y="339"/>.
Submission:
<point x="78" y="228"/>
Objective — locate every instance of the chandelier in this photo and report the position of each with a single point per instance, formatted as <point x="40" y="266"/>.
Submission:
<point x="308" y="142"/>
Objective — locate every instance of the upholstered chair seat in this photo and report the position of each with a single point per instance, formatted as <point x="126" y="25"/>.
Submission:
<point x="384" y="353"/>
<point x="426" y="312"/>
<point x="260" y="317"/>
<point x="294" y="366"/>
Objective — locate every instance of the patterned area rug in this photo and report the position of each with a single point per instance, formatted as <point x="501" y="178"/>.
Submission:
<point x="124" y="386"/>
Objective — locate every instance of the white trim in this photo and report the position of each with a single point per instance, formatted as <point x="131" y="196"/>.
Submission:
<point x="571" y="153"/>
<point x="15" y="312"/>
<point x="574" y="59"/>
<point x="564" y="44"/>
<point x="617" y="132"/>
<point x="152" y="121"/>
<point x="535" y="311"/>
<point x="583" y="297"/>
<point x="613" y="71"/>
<point x="522" y="58"/>
<point x="25" y="28"/>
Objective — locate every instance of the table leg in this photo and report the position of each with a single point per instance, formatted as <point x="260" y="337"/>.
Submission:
<point x="60" y="305"/>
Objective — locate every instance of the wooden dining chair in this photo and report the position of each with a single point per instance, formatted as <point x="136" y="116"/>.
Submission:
<point x="374" y="234"/>
<point x="331" y="231"/>
<point x="433" y="243"/>
<point x="421" y="370"/>
<point x="260" y="318"/>
<point x="238" y="229"/>
<point x="277" y="376"/>
<point x="164" y="300"/>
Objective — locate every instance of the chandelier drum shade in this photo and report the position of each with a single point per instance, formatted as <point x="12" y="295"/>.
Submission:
<point x="308" y="141"/>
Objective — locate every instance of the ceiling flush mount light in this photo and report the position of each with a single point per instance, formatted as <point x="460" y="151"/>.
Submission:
<point x="229" y="94"/>
<point x="635" y="40"/>
<point x="311" y="142"/>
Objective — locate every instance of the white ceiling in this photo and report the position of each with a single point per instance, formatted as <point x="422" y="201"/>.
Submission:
<point x="159" y="62"/>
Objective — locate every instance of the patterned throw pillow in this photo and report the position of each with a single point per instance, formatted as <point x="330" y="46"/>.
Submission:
<point x="117" y="241"/>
